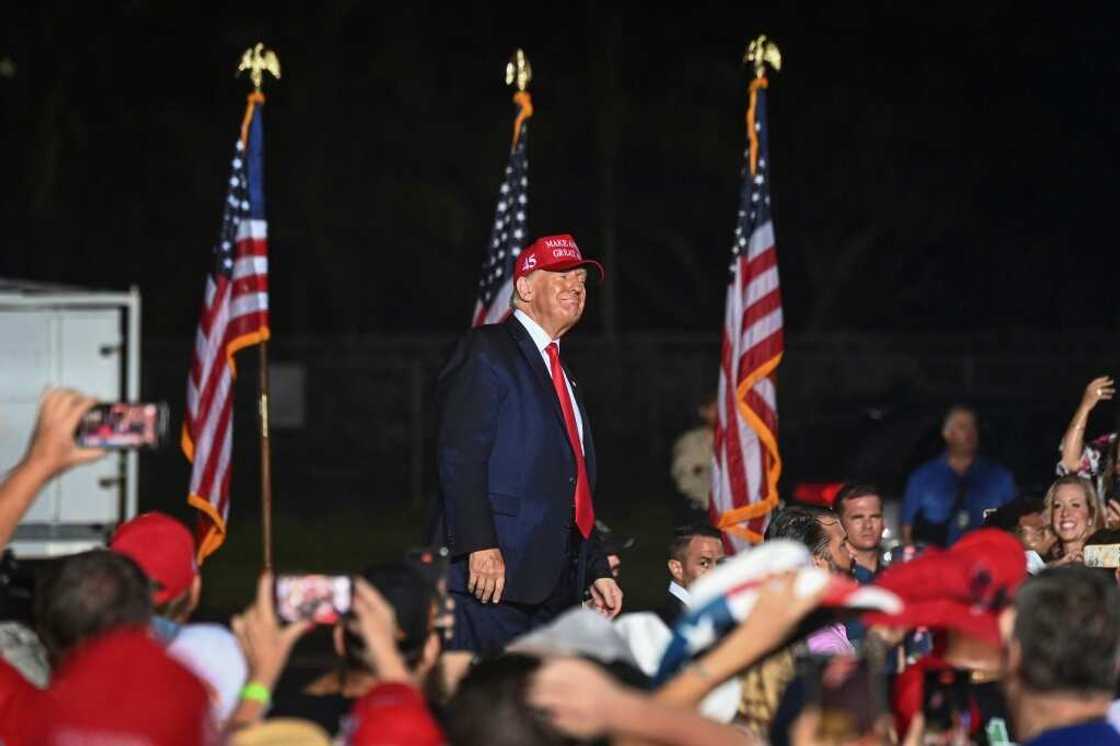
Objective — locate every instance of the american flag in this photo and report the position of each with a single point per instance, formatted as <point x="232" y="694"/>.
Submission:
<point x="746" y="464"/>
<point x="234" y="315"/>
<point x="509" y="234"/>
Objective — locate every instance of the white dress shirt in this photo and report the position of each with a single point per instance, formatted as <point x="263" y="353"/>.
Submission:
<point x="542" y="340"/>
<point x="680" y="592"/>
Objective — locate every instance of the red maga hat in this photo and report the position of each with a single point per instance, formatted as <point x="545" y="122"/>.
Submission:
<point x="962" y="588"/>
<point x="555" y="254"/>
<point x="123" y="687"/>
<point x="164" y="549"/>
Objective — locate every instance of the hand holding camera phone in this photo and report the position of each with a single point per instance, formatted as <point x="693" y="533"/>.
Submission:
<point x="122" y="426"/>
<point x="320" y="599"/>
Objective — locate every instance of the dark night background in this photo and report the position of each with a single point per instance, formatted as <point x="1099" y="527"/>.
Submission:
<point x="943" y="198"/>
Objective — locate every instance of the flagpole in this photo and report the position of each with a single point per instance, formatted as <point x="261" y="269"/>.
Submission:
<point x="266" y="458"/>
<point x="257" y="61"/>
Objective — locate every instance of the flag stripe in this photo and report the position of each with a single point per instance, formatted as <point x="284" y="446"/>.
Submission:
<point x="745" y="462"/>
<point x="235" y="309"/>
<point x="251" y="268"/>
<point x="509" y="232"/>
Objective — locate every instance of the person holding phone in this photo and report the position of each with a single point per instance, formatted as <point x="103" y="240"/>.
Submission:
<point x="410" y="604"/>
<point x="517" y="462"/>
<point x="51" y="452"/>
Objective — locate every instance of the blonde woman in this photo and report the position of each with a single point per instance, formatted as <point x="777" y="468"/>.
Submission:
<point x="1075" y="512"/>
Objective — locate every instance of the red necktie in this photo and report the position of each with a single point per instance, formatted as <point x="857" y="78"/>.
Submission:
<point x="585" y="512"/>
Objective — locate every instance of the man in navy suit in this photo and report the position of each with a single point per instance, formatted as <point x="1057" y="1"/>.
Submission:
<point x="517" y="462"/>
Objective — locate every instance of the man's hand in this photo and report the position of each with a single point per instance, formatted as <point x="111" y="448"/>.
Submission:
<point x="577" y="696"/>
<point x="52" y="448"/>
<point x="375" y="621"/>
<point x="606" y="597"/>
<point x="775" y="614"/>
<point x="487" y="574"/>
<point x="51" y="451"/>
<point x="779" y="609"/>
<point x="265" y="643"/>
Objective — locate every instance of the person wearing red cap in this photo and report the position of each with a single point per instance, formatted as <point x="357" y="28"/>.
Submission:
<point x="517" y="461"/>
<point x="164" y="549"/>
<point x="110" y="682"/>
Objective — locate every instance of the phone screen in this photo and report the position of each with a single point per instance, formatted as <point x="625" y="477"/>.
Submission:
<point x="120" y="425"/>
<point x="322" y="599"/>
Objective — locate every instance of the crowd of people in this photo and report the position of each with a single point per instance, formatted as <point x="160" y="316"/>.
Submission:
<point x="998" y="622"/>
<point x="995" y="619"/>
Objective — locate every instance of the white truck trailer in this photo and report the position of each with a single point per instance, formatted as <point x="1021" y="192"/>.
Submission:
<point x="53" y="335"/>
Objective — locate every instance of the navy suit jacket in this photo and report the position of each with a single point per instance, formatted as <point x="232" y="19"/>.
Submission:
<point x="507" y="472"/>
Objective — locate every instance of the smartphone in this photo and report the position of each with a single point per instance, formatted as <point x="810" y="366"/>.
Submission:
<point x="322" y="599"/>
<point x="120" y="425"/>
<point x="850" y="694"/>
<point x="1101" y="555"/>
<point x="946" y="706"/>
<point x="433" y="563"/>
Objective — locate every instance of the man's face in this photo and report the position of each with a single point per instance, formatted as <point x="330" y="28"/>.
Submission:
<point x="961" y="433"/>
<point x="862" y="518"/>
<point x="701" y="555"/>
<point x="839" y="557"/>
<point x="1036" y="533"/>
<point x="555" y="300"/>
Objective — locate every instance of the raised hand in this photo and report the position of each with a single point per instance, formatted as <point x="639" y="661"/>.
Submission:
<point x="265" y="643"/>
<point x="1099" y="389"/>
<point x="52" y="446"/>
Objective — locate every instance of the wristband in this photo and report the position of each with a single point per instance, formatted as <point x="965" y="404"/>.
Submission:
<point x="255" y="691"/>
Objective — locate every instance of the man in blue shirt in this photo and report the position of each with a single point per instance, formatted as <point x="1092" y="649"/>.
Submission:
<point x="947" y="496"/>
<point x="1062" y="637"/>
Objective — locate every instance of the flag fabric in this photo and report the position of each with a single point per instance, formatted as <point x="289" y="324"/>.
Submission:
<point x="509" y="233"/>
<point x="724" y="598"/>
<point x="746" y="464"/>
<point x="234" y="316"/>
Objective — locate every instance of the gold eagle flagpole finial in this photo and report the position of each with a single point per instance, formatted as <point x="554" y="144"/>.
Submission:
<point x="257" y="60"/>
<point x="518" y="71"/>
<point x="760" y="53"/>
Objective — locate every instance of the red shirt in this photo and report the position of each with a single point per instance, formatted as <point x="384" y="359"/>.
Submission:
<point x="394" y="715"/>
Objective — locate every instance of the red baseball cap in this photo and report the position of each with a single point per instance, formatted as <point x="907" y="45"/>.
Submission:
<point x="123" y="687"/>
<point x="164" y="549"/>
<point x="963" y="588"/>
<point x="555" y="254"/>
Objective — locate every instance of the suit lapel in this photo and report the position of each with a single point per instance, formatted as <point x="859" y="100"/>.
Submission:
<point x="532" y="356"/>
